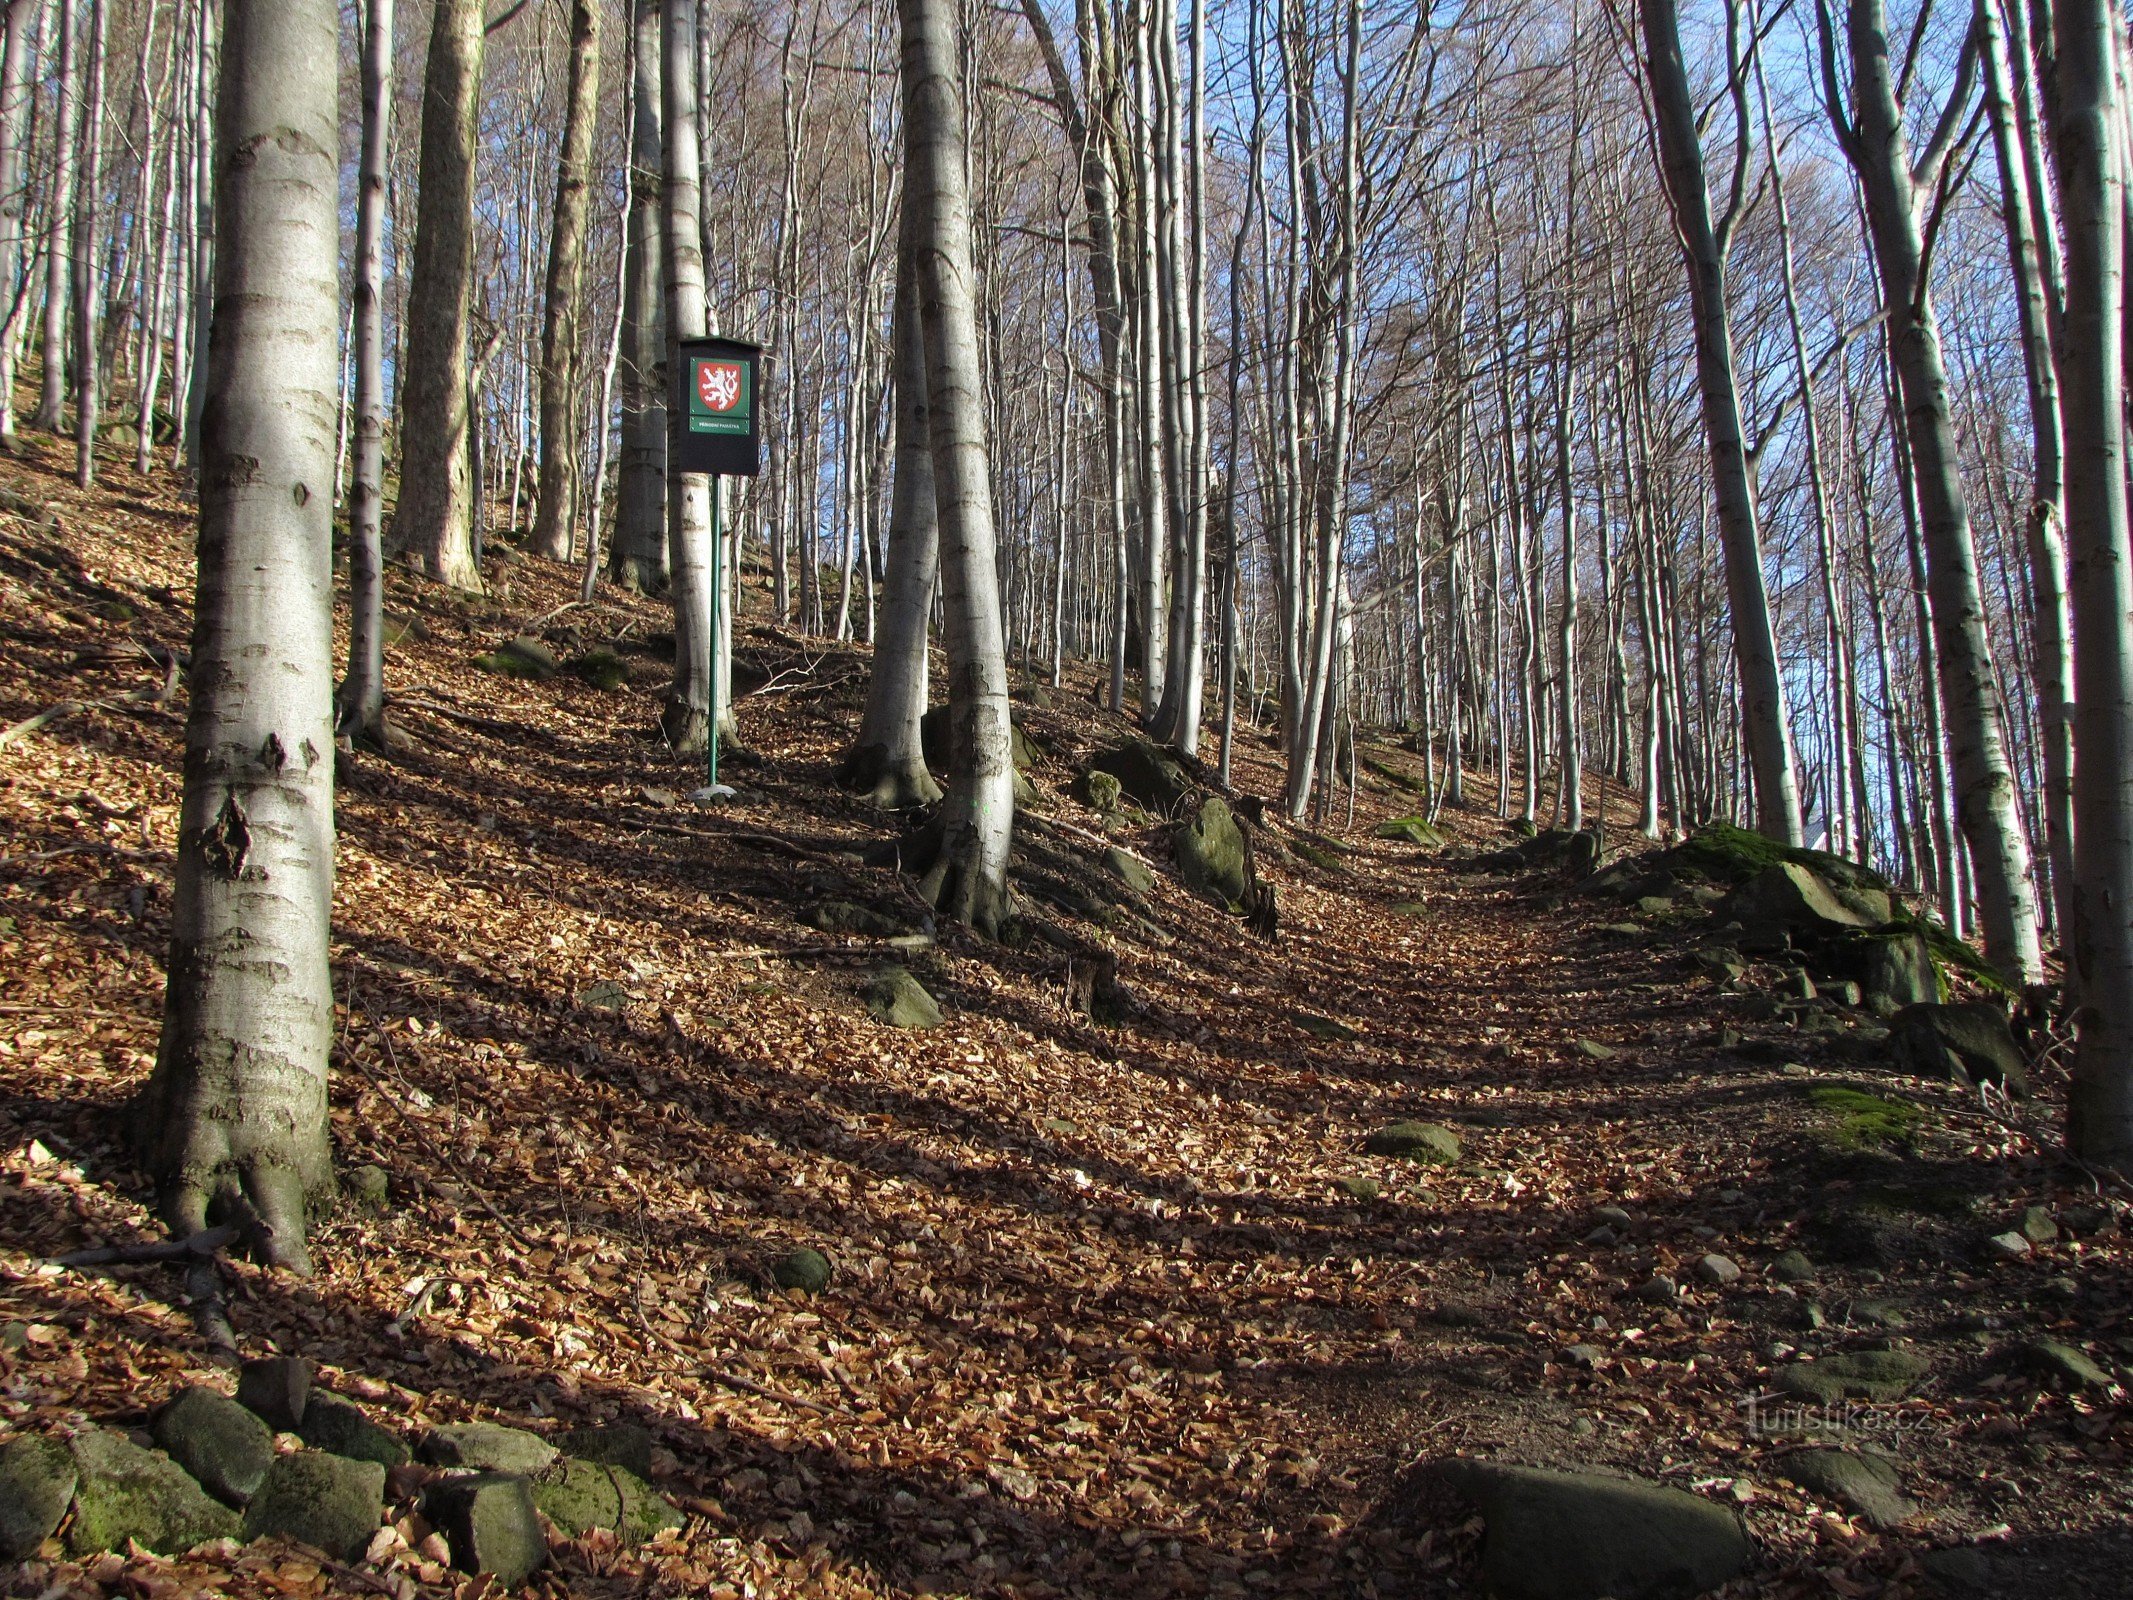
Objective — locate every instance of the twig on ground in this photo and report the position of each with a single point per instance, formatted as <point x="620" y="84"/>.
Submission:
<point x="203" y="1244"/>
<point x="50" y="714"/>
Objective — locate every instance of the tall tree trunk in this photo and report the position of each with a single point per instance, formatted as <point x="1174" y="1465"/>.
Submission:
<point x="2092" y="177"/>
<point x="18" y="75"/>
<point x="1768" y="731"/>
<point x="237" y="1102"/>
<point x="639" y="562"/>
<point x="59" y="210"/>
<point x="434" y="521"/>
<point x="887" y="759"/>
<point x="362" y="696"/>
<point x="968" y="877"/>
<point x="87" y="287"/>
<point x="686" y="718"/>
<point x="1895" y="191"/>
<point x="555" y="518"/>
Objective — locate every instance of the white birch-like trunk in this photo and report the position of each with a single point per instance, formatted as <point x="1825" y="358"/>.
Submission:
<point x="237" y="1103"/>
<point x="968" y="878"/>
<point x="639" y="561"/>
<point x="362" y="695"/>
<point x="555" y="517"/>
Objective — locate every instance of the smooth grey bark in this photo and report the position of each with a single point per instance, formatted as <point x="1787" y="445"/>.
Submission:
<point x="639" y="561"/>
<point x="2029" y="250"/>
<point x="66" y="116"/>
<point x="555" y="517"/>
<point x="207" y="72"/>
<point x="2086" y="119"/>
<point x="236" y="1106"/>
<point x="887" y="759"/>
<point x="1767" y="724"/>
<point x="433" y="524"/>
<point x="967" y="879"/>
<point x="362" y="694"/>
<point x="1896" y="191"/>
<point x="87" y="282"/>
<point x="17" y="74"/>
<point x="686" y="717"/>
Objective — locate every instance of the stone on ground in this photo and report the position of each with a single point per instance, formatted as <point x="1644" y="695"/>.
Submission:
<point x="1130" y="870"/>
<point x="217" y="1440"/>
<point x="1210" y="851"/>
<point x="1718" y="1269"/>
<point x="1969" y="1043"/>
<point x="1415" y="830"/>
<point x="275" y="1390"/>
<point x="368" y="1186"/>
<point x="1788" y="899"/>
<point x="1792" y="1267"/>
<point x="124" y="1492"/>
<point x="1415" y="1141"/>
<point x="846" y="916"/>
<point x="803" y="1269"/>
<point x="612" y="1444"/>
<point x="1866" y="1483"/>
<point x="487" y="1446"/>
<point x="339" y="1427"/>
<point x="1146" y="774"/>
<point x="36" y="1482"/>
<point x="1582" y="1536"/>
<point x="580" y="1496"/>
<point x="1898" y="970"/>
<point x="2063" y="1363"/>
<point x="1101" y="790"/>
<point x="328" y="1502"/>
<point x="1856" y="1374"/>
<point x="491" y="1524"/>
<point x="2037" y="1225"/>
<point x="900" y="1000"/>
<point x="522" y="657"/>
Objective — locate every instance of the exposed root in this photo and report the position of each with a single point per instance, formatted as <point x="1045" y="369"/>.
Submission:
<point x="891" y="785"/>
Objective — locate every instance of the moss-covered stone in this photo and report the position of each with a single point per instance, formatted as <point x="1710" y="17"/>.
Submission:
<point x="520" y="658"/>
<point x="491" y="1524"/>
<point x="276" y="1389"/>
<point x="900" y="1000"/>
<point x="1210" y="854"/>
<point x="1147" y="775"/>
<point x="1855" y="1375"/>
<point x="329" y="1502"/>
<point x="1130" y="870"/>
<point x="603" y="669"/>
<point x="1356" y="1187"/>
<point x="1428" y="1142"/>
<point x="1394" y="776"/>
<point x="487" y="1447"/>
<point x="36" y="1481"/>
<point x="1323" y="857"/>
<point x="1968" y="1043"/>
<point x="803" y="1269"/>
<point x="846" y="916"/>
<point x="613" y="1444"/>
<point x="368" y="1186"/>
<point x="1327" y="1028"/>
<point x="1896" y="967"/>
<point x="1100" y="791"/>
<point x="124" y="1492"/>
<point x="1789" y="899"/>
<point x="218" y="1441"/>
<point x="1415" y="830"/>
<point x="339" y="1427"/>
<point x="581" y="1496"/>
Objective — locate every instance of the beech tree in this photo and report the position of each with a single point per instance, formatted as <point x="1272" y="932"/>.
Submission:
<point x="235" y="1113"/>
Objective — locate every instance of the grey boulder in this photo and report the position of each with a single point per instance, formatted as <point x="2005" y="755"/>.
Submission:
<point x="328" y="1502"/>
<point x="217" y="1440"/>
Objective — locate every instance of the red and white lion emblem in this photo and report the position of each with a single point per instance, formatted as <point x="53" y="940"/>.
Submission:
<point x="718" y="384"/>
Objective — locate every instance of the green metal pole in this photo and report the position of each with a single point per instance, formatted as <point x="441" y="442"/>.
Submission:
<point x="718" y="599"/>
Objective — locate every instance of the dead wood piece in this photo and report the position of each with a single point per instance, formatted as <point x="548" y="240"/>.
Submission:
<point x="202" y="1244"/>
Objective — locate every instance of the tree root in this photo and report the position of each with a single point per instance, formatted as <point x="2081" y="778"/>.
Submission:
<point x="887" y="783"/>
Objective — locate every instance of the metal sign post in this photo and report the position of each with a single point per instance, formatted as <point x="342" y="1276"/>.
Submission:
<point x="718" y="393"/>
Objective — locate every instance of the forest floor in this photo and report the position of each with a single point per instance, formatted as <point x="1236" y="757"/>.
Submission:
<point x="1111" y="1315"/>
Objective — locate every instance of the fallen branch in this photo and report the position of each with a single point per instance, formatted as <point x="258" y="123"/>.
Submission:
<point x="733" y="1380"/>
<point x="203" y="1286"/>
<point x="202" y="1244"/>
<point x="29" y="725"/>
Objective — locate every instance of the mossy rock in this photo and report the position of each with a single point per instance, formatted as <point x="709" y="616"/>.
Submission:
<point x="1415" y="830"/>
<point x="398" y="630"/>
<point x="1210" y="854"/>
<point x="1427" y="1142"/>
<point x="803" y="1269"/>
<point x="1855" y="1375"/>
<point x="603" y="669"/>
<point x="581" y="1496"/>
<point x="217" y="1441"/>
<point x="520" y="658"/>
<point x="900" y="1000"/>
<point x="340" y="1428"/>
<point x="368" y="1186"/>
<point x="1130" y="870"/>
<point x="1326" y="1028"/>
<point x="1323" y="857"/>
<point x="1728" y="854"/>
<point x="1866" y="1121"/>
<point x="1147" y="775"/>
<point x="487" y="1447"/>
<point x="846" y="916"/>
<point x="613" y="1444"/>
<point x="1100" y="791"/>
<point x="491" y="1523"/>
<point x="1394" y="776"/>
<point x="329" y="1502"/>
<point x="126" y="1493"/>
<point x="37" y="1479"/>
<point x="1359" y="1188"/>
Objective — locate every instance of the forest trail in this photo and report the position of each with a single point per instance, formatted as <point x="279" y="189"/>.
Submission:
<point x="1121" y="1309"/>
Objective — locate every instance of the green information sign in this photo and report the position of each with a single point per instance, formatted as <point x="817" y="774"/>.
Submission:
<point x="717" y="409"/>
<point x="720" y="397"/>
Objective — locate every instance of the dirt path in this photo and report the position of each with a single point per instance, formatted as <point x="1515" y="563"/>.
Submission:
<point x="1115" y="1311"/>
